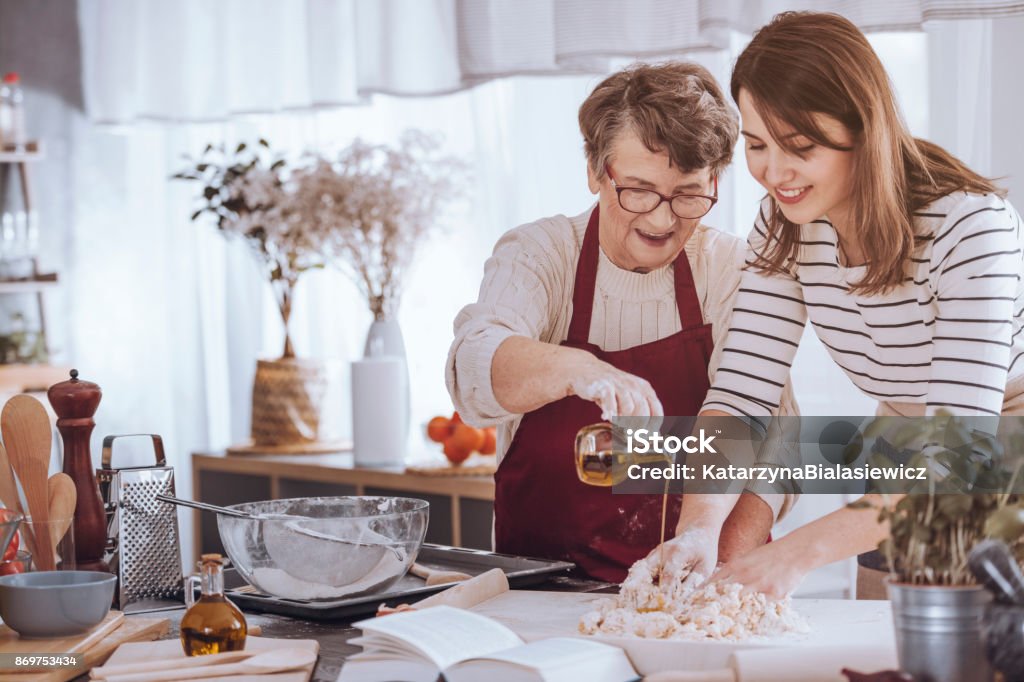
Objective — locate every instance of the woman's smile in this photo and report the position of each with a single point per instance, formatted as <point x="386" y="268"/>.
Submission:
<point x="792" y="195"/>
<point x="655" y="239"/>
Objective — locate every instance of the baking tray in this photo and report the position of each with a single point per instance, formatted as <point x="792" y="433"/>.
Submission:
<point x="520" y="571"/>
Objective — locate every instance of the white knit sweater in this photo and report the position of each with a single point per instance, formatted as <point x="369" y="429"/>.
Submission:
<point x="527" y="291"/>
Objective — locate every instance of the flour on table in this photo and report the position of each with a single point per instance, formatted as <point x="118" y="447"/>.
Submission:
<point x="688" y="611"/>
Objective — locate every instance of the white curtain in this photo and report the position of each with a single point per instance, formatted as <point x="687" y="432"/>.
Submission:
<point x="202" y="60"/>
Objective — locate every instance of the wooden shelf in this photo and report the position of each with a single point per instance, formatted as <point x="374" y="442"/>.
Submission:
<point x="33" y="152"/>
<point x="29" y="286"/>
<point x="20" y="378"/>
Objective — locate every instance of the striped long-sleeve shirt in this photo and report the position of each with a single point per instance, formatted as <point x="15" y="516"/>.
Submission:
<point x="947" y="338"/>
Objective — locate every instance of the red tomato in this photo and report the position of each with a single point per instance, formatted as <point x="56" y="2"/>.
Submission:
<point x="12" y="568"/>
<point x="12" y="548"/>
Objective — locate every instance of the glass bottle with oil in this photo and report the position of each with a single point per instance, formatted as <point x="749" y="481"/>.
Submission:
<point x="601" y="461"/>
<point x="212" y="624"/>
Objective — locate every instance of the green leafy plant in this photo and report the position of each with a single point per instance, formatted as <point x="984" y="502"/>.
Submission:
<point x="970" y="494"/>
<point x="249" y="194"/>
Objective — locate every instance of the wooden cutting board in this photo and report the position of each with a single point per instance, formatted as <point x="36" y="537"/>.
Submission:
<point x="834" y="622"/>
<point x="95" y="649"/>
<point x="170" y="650"/>
<point x="12" y="643"/>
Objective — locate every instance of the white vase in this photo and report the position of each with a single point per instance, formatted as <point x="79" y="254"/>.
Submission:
<point x="384" y="338"/>
<point x="390" y="338"/>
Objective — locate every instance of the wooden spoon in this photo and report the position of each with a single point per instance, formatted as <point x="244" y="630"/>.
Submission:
<point x="432" y="576"/>
<point x="27" y="433"/>
<point x="8" y="486"/>
<point x="276" y="660"/>
<point x="63" y="497"/>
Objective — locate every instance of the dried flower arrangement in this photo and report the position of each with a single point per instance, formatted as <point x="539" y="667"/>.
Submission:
<point x="972" y="492"/>
<point x="377" y="204"/>
<point x="365" y="209"/>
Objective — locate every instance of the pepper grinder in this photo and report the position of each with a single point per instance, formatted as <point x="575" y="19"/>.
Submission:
<point x="75" y="403"/>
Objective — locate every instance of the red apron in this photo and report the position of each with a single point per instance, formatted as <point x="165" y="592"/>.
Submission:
<point x="541" y="508"/>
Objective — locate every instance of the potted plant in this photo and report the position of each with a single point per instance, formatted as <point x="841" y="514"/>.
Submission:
<point x="970" y="494"/>
<point x="253" y="195"/>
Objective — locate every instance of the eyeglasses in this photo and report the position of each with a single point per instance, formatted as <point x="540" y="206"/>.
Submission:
<point x="640" y="200"/>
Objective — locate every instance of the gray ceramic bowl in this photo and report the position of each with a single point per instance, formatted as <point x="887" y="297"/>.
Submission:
<point x="55" y="603"/>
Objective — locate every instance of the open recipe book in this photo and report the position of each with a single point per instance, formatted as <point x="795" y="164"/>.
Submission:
<point x="417" y="646"/>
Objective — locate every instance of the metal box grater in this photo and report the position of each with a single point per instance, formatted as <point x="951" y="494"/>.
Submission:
<point x="143" y="547"/>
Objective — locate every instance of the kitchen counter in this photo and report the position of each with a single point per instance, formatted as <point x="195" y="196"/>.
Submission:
<point x="335" y="635"/>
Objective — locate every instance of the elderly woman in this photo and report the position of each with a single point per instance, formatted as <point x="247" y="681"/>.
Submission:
<point x="619" y="310"/>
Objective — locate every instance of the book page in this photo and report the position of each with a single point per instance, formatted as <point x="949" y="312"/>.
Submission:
<point x="443" y="634"/>
<point x="558" y="659"/>
<point x="552" y="653"/>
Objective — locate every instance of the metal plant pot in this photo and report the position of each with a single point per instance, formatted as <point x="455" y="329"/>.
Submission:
<point x="938" y="632"/>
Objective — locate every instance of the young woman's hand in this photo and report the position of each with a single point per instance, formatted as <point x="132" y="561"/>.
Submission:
<point x="774" y="569"/>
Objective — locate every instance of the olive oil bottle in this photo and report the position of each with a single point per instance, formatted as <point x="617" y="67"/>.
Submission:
<point x="603" y="463"/>
<point x="212" y="624"/>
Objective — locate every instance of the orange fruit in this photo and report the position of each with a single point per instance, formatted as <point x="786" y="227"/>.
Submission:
<point x="455" y="452"/>
<point x="467" y="437"/>
<point x="439" y="428"/>
<point x="490" y="445"/>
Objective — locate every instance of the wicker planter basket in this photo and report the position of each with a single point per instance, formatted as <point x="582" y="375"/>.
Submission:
<point x="287" y="401"/>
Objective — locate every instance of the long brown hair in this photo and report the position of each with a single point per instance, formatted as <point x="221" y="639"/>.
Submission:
<point x="803" y="63"/>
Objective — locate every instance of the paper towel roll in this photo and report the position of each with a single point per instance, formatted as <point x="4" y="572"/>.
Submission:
<point x="379" y="415"/>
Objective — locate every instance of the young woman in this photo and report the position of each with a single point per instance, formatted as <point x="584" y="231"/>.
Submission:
<point x="906" y="262"/>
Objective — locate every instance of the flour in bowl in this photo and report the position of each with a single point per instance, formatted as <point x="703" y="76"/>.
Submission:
<point x="683" y="610"/>
<point x="282" y="583"/>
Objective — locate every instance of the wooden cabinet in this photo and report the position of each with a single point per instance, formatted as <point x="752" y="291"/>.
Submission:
<point x="461" y="507"/>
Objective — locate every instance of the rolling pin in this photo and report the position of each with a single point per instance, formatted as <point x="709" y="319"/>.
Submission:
<point x="462" y="595"/>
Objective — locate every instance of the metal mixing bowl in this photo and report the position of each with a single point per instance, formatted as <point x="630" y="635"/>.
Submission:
<point x="324" y="547"/>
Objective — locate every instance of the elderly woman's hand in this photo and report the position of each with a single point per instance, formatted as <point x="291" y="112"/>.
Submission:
<point x="688" y="557"/>
<point x="527" y="374"/>
<point x="617" y="393"/>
